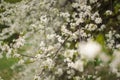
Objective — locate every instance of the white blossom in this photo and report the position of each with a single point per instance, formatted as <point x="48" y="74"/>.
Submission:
<point x="98" y="20"/>
<point x="78" y="65"/>
<point x="89" y="50"/>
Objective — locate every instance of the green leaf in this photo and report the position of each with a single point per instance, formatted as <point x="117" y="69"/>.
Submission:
<point x="12" y="1"/>
<point x="100" y="39"/>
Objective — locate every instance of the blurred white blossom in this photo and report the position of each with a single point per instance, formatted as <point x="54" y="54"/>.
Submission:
<point x="89" y="50"/>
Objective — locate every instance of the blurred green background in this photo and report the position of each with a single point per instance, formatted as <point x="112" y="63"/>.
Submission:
<point x="6" y="72"/>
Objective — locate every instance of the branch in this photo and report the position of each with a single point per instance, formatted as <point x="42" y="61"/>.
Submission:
<point x="60" y="46"/>
<point x="27" y="56"/>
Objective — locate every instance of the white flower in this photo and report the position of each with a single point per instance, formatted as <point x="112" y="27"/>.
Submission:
<point x="91" y="27"/>
<point x="98" y="20"/>
<point x="65" y="14"/>
<point x="38" y="56"/>
<point x="109" y="12"/>
<point x="98" y="78"/>
<point x="89" y="50"/>
<point x="36" y="77"/>
<point x="44" y="19"/>
<point x="93" y="1"/>
<point x="82" y="2"/>
<point x="69" y="53"/>
<point x="104" y="57"/>
<point x="59" y="71"/>
<point x="19" y="42"/>
<point x="80" y="20"/>
<point x="116" y="61"/>
<point x="21" y="61"/>
<point x="75" y="5"/>
<point x="96" y="14"/>
<point x="102" y="27"/>
<point x="49" y="62"/>
<point x="118" y="46"/>
<point x="78" y="65"/>
<point x="77" y="78"/>
<point x="1" y="78"/>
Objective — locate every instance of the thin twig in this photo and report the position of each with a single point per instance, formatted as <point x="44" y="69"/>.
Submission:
<point x="60" y="46"/>
<point x="79" y="35"/>
<point x="111" y="5"/>
<point x="27" y="56"/>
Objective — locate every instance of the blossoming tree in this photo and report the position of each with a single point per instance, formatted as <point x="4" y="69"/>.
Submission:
<point x="61" y="39"/>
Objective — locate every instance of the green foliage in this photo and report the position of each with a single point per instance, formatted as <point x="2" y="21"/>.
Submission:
<point x="11" y="38"/>
<point x="12" y="1"/>
<point x="117" y="6"/>
<point x="5" y="67"/>
<point x="100" y="39"/>
<point x="2" y="26"/>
